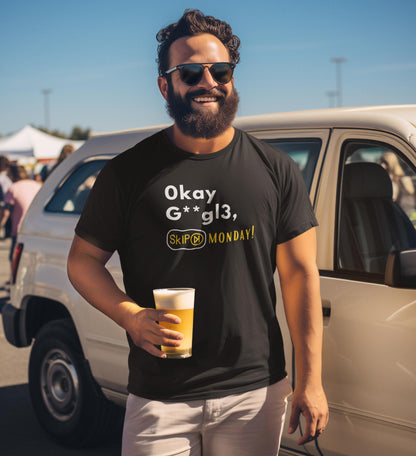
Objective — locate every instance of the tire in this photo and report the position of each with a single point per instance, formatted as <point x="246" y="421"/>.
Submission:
<point x="67" y="401"/>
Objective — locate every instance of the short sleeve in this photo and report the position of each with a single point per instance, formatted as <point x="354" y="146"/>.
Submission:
<point x="295" y="215"/>
<point x="101" y="221"/>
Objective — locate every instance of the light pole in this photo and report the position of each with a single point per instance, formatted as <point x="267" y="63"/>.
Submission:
<point x="46" y="93"/>
<point x="338" y="61"/>
<point x="331" y="95"/>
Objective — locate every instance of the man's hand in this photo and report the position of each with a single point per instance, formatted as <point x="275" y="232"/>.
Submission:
<point x="146" y="332"/>
<point x="310" y="401"/>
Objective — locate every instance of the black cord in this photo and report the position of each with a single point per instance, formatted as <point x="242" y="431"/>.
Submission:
<point x="301" y="434"/>
<point x="317" y="446"/>
<point x="318" y="449"/>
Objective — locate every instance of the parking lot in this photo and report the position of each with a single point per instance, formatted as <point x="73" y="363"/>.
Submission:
<point x="20" y="433"/>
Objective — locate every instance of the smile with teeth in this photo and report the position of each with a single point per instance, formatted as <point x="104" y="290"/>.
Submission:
<point x="205" y="99"/>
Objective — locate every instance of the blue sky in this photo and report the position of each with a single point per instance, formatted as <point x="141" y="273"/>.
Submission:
<point x="98" y="57"/>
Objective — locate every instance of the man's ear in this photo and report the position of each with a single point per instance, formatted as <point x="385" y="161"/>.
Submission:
<point x="163" y="86"/>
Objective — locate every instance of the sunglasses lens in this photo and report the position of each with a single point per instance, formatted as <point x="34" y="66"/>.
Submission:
<point x="222" y="72"/>
<point x="191" y="74"/>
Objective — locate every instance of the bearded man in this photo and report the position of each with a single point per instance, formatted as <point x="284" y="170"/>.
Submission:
<point x="202" y="175"/>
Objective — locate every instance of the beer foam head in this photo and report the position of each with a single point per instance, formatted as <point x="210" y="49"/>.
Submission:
<point x="174" y="298"/>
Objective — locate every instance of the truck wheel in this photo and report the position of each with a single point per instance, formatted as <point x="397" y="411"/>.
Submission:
<point x="67" y="401"/>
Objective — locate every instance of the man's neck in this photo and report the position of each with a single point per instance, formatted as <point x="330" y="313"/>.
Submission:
<point x="200" y="145"/>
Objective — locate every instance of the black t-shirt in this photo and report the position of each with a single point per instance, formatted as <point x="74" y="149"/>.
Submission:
<point x="211" y="222"/>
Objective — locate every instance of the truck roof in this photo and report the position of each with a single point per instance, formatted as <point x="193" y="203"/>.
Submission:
<point x="399" y="120"/>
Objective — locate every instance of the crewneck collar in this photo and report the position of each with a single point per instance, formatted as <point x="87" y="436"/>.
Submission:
<point x="193" y="156"/>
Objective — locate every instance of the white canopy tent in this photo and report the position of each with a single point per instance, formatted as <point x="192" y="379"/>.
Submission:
<point x="30" y="143"/>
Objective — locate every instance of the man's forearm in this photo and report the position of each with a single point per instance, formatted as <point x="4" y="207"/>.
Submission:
<point x="304" y="316"/>
<point x="94" y="283"/>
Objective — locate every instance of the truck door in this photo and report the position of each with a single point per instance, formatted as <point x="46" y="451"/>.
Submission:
<point x="366" y="208"/>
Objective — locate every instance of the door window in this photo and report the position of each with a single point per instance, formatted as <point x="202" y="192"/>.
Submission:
<point x="377" y="207"/>
<point x="304" y="151"/>
<point x="73" y="192"/>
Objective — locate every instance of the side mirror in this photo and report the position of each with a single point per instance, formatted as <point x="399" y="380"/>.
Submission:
<point x="401" y="269"/>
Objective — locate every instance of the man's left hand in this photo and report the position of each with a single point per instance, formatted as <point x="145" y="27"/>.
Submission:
<point x="310" y="401"/>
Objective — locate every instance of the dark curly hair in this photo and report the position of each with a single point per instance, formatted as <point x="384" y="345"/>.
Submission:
<point x="192" y="23"/>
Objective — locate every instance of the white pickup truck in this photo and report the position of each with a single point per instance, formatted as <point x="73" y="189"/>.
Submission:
<point x="366" y="258"/>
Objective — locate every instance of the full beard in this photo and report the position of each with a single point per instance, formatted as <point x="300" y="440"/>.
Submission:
<point x="202" y="123"/>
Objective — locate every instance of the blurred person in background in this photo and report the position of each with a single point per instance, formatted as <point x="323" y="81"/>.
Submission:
<point x="17" y="200"/>
<point x="66" y="151"/>
<point x="5" y="183"/>
<point x="41" y="171"/>
<point x="5" y="180"/>
<point x="403" y="188"/>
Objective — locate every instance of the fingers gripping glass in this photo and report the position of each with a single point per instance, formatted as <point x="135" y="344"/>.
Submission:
<point x="191" y="73"/>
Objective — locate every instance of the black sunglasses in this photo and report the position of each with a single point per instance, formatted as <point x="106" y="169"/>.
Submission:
<point x="191" y="73"/>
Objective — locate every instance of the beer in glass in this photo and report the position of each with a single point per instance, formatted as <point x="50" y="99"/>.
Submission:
<point x="179" y="302"/>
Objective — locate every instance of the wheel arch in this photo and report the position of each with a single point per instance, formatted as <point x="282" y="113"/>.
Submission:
<point x="36" y="312"/>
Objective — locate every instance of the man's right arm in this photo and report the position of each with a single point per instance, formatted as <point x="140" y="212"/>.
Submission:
<point x="90" y="277"/>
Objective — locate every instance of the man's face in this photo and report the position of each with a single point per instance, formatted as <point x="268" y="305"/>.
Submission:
<point x="206" y="109"/>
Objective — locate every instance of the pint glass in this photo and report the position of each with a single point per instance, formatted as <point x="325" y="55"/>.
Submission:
<point x="180" y="302"/>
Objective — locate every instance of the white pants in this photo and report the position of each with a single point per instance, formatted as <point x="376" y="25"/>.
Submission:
<point x="239" y="425"/>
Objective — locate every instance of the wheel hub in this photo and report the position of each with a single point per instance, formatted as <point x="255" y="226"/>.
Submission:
<point x="59" y="384"/>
